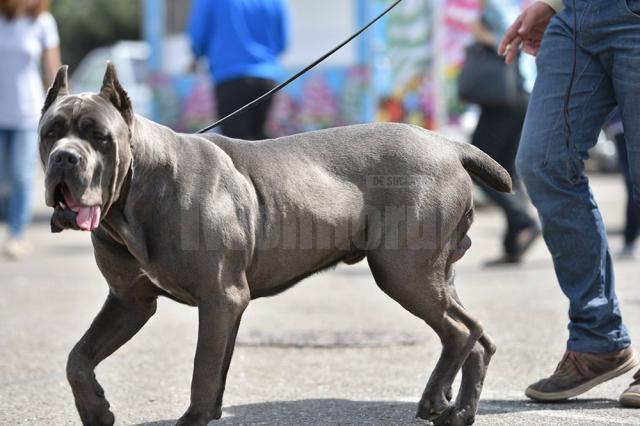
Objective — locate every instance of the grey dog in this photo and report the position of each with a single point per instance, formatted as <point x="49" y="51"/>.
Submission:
<point x="214" y="222"/>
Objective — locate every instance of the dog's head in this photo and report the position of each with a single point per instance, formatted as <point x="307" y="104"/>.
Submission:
<point x="85" y="149"/>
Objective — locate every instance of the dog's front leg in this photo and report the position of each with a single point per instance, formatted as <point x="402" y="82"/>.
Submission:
<point x="219" y="320"/>
<point x="119" y="319"/>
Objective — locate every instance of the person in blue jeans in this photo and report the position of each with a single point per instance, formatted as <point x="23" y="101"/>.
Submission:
<point x="28" y="42"/>
<point x="554" y="145"/>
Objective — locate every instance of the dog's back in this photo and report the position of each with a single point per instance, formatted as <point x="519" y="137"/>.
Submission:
<point x="331" y="195"/>
<point x="215" y="225"/>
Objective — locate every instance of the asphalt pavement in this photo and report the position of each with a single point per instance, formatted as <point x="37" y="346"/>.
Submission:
<point x="332" y="350"/>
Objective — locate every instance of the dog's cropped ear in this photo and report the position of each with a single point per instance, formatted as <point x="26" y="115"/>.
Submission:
<point x="113" y="92"/>
<point x="60" y="87"/>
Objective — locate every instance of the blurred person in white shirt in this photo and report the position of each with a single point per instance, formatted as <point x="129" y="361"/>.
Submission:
<point x="29" y="48"/>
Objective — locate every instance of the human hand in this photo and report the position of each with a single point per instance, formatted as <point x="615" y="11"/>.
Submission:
<point x="526" y="31"/>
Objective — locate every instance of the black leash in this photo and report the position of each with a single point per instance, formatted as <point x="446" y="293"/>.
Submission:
<point x="282" y="85"/>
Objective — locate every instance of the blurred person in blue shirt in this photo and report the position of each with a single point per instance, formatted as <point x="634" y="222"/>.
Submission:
<point x="242" y="40"/>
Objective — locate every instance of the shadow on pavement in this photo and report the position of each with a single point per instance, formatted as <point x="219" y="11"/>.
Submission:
<point x="339" y="411"/>
<point x="498" y="406"/>
<point x="315" y="412"/>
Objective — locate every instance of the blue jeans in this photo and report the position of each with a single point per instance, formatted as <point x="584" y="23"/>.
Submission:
<point x="632" y="216"/>
<point x="18" y="150"/>
<point x="551" y="158"/>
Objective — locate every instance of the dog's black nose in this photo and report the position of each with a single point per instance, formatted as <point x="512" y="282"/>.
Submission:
<point x="66" y="158"/>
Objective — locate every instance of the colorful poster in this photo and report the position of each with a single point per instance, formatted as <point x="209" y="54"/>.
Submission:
<point x="323" y="98"/>
<point x="406" y="71"/>
<point x="404" y="67"/>
<point x="456" y="19"/>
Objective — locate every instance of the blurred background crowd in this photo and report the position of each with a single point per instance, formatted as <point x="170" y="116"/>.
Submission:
<point x="405" y="69"/>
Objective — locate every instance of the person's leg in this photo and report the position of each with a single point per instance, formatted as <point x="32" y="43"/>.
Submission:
<point x="232" y="95"/>
<point x="514" y="207"/>
<point x="4" y="176"/>
<point x="632" y="212"/>
<point x="625" y="72"/>
<point x="571" y="222"/>
<point x="497" y="134"/>
<point x="626" y="80"/>
<point x="622" y="41"/>
<point x="551" y="162"/>
<point x="22" y="161"/>
<point x="260" y="112"/>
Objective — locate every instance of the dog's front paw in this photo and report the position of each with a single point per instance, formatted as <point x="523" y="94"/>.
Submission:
<point x="98" y="418"/>
<point x="189" y="419"/>
<point x="94" y="408"/>
<point x="196" y="417"/>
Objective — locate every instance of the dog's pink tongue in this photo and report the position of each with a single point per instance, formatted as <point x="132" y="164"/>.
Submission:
<point x="88" y="218"/>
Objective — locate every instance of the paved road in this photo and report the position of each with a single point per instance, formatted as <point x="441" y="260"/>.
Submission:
<point x="332" y="350"/>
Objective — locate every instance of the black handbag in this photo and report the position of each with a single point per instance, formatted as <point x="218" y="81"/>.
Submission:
<point x="486" y="80"/>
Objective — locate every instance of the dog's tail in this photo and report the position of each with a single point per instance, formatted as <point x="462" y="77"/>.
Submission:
<point x="483" y="167"/>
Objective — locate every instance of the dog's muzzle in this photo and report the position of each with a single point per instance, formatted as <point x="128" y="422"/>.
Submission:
<point x="65" y="163"/>
<point x="69" y="214"/>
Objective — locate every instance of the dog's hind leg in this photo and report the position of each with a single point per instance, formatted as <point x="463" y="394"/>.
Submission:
<point x="471" y="361"/>
<point x="474" y="371"/>
<point x="475" y="366"/>
<point x="422" y="288"/>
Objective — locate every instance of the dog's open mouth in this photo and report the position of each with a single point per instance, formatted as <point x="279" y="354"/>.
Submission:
<point x="69" y="214"/>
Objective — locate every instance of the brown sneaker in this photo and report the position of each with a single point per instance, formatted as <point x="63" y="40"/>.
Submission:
<point x="631" y="397"/>
<point x="578" y="372"/>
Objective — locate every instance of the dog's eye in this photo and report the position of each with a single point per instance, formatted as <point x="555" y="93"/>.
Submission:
<point x="98" y="137"/>
<point x="50" y="134"/>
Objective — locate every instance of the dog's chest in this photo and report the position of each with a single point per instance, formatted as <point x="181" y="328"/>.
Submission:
<point x="175" y="292"/>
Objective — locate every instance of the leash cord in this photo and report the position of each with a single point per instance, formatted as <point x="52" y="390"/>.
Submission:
<point x="294" y="77"/>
